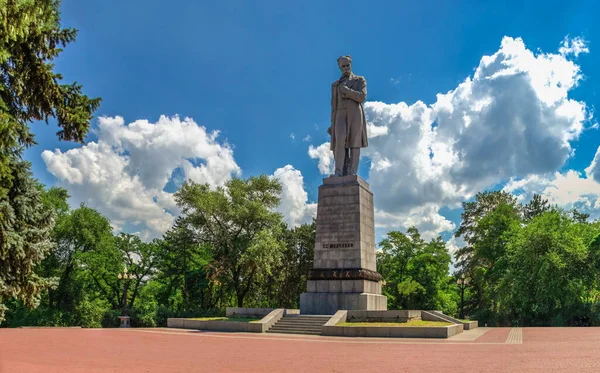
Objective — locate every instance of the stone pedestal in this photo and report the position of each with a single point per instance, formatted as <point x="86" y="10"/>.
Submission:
<point x="344" y="274"/>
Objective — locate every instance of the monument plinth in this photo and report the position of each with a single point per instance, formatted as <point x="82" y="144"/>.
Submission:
<point x="344" y="274"/>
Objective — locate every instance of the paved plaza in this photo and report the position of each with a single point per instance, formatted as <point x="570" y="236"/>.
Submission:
<point x="50" y="350"/>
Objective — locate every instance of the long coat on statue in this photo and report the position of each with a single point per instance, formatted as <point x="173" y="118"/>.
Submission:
<point x="351" y="93"/>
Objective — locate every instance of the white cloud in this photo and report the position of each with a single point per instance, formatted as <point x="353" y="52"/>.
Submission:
<point x="294" y="204"/>
<point x="573" y="46"/>
<point x="325" y="157"/>
<point x="568" y="190"/>
<point x="512" y="119"/>
<point x="124" y="173"/>
<point x="454" y="244"/>
<point x="307" y="138"/>
<point x="426" y="218"/>
<point x="593" y="171"/>
<point x="292" y="136"/>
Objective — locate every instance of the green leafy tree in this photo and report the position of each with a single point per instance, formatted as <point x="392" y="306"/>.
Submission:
<point x="184" y="271"/>
<point x="285" y="284"/>
<point x="30" y="39"/>
<point x="83" y="230"/>
<point x="415" y="272"/>
<point x="546" y="275"/>
<point x="485" y="223"/>
<point x="239" y="223"/>
<point x="103" y="266"/>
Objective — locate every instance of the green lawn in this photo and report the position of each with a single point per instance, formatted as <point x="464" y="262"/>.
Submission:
<point x="236" y="319"/>
<point x="463" y="320"/>
<point x="409" y="323"/>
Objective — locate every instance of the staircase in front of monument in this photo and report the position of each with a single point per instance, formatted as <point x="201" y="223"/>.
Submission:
<point x="300" y="324"/>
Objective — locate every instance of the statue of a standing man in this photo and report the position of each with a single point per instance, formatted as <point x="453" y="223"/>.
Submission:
<point x="348" y="124"/>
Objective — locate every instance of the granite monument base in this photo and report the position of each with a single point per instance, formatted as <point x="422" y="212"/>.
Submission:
<point x="330" y="303"/>
<point x="344" y="276"/>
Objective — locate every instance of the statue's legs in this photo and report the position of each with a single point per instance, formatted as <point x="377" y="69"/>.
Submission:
<point x="354" y="158"/>
<point x="339" y="152"/>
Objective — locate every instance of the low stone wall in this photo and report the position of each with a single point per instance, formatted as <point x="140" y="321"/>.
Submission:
<point x="216" y="325"/>
<point x="470" y="325"/>
<point x="467" y="325"/>
<point x="331" y="328"/>
<point x="230" y="326"/>
<point x="383" y="316"/>
<point x="395" y="332"/>
<point x="271" y="319"/>
<point x="431" y="316"/>
<point x="340" y="316"/>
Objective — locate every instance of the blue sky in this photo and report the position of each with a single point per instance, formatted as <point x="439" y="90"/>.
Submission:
<point x="260" y="71"/>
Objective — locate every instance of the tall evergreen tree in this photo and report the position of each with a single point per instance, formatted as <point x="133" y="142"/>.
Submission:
<point x="30" y="39"/>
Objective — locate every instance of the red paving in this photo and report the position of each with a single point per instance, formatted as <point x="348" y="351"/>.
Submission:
<point x="175" y="351"/>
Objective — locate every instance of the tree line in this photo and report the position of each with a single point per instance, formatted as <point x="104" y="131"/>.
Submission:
<point x="229" y="248"/>
<point x="531" y="264"/>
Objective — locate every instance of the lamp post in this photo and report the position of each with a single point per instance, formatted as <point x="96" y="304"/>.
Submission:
<point x="462" y="283"/>
<point x="125" y="277"/>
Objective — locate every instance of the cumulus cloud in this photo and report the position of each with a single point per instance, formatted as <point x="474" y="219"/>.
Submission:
<point x="513" y="118"/>
<point x="568" y="190"/>
<point x="124" y="173"/>
<point x="426" y="218"/>
<point x="294" y="204"/>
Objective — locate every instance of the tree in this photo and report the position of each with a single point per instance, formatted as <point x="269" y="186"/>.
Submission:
<point x="82" y="231"/>
<point x="185" y="272"/>
<point x="30" y="38"/>
<point x="579" y="217"/>
<point x="484" y="224"/>
<point x="415" y="271"/>
<point x="473" y="211"/>
<point x="547" y="265"/>
<point x="239" y="223"/>
<point x="284" y="286"/>
<point x="25" y="229"/>
<point x="535" y="207"/>
<point x="102" y="267"/>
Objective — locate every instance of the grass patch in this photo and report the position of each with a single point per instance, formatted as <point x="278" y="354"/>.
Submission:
<point x="464" y="320"/>
<point x="397" y="324"/>
<point x="235" y="319"/>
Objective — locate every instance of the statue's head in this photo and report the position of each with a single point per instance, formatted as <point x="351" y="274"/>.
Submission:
<point x="345" y="64"/>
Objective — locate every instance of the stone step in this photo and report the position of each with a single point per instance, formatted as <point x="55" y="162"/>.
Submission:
<point x="297" y="326"/>
<point x="300" y="324"/>
<point x="291" y="327"/>
<point x="297" y="318"/>
<point x="305" y="332"/>
<point x="295" y="331"/>
<point x="303" y="322"/>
